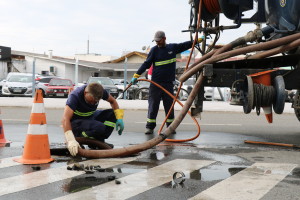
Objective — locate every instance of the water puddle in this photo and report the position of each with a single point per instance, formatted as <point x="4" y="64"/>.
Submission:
<point x="219" y="172"/>
<point x="213" y="172"/>
<point x="221" y="157"/>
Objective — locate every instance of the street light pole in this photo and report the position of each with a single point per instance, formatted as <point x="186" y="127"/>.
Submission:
<point x="125" y="78"/>
<point x="76" y="73"/>
<point x="33" y="78"/>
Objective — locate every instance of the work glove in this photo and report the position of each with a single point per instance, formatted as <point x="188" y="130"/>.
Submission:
<point x="119" y="113"/>
<point x="200" y="39"/>
<point x="120" y="126"/>
<point x="134" y="78"/>
<point x="72" y="144"/>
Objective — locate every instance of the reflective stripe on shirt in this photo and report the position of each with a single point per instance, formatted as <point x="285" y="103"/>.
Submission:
<point x="83" y="114"/>
<point x="165" y="62"/>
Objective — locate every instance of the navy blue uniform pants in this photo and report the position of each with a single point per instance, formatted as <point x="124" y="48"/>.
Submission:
<point x="99" y="126"/>
<point x="155" y="96"/>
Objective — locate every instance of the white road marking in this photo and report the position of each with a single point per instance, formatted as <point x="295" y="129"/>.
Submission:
<point x="8" y="162"/>
<point x="137" y="183"/>
<point x="43" y="177"/>
<point x="250" y="184"/>
<point x="16" y="120"/>
<point x="190" y="123"/>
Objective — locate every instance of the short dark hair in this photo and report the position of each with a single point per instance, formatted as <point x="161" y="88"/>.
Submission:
<point x="96" y="90"/>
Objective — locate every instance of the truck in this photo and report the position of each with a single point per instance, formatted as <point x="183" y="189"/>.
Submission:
<point x="268" y="56"/>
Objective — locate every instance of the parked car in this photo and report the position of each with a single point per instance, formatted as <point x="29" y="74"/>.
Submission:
<point x="59" y="87"/>
<point x="130" y="91"/>
<point x="188" y="85"/>
<point x="1" y="84"/>
<point x="107" y="84"/>
<point x="210" y="93"/>
<point x="217" y="93"/>
<point x="143" y="91"/>
<point x="43" y="82"/>
<point x="17" y="84"/>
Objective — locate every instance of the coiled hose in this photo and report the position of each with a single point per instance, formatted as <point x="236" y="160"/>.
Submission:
<point x="264" y="96"/>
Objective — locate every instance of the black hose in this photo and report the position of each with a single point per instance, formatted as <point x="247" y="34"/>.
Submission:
<point x="264" y="96"/>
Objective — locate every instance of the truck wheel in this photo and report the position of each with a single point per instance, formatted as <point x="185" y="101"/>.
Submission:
<point x="280" y="97"/>
<point x="296" y="104"/>
<point x="248" y="93"/>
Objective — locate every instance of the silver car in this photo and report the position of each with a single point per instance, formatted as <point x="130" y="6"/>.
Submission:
<point x="18" y="84"/>
<point x="107" y="84"/>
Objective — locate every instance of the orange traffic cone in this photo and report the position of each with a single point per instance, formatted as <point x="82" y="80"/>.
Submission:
<point x="3" y="141"/>
<point x="265" y="79"/>
<point x="36" y="148"/>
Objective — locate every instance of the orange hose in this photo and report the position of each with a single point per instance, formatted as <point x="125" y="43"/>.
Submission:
<point x="175" y="99"/>
<point x="212" y="6"/>
<point x="179" y="88"/>
<point x="271" y="143"/>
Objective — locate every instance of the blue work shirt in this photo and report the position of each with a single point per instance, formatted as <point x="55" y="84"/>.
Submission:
<point x="164" y="61"/>
<point x="82" y="110"/>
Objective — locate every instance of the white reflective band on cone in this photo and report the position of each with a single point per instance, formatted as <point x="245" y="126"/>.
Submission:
<point x="38" y="108"/>
<point x="37" y="129"/>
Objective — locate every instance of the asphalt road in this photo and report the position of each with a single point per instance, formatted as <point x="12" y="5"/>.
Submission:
<point x="217" y="164"/>
<point x="285" y="128"/>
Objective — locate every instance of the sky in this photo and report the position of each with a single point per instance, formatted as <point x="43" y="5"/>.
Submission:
<point x="112" y="27"/>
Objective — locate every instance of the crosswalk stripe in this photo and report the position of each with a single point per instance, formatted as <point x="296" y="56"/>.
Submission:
<point x="34" y="179"/>
<point x="8" y="162"/>
<point x="250" y="184"/>
<point x="137" y="183"/>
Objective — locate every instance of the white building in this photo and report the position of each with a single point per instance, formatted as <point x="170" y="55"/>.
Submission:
<point x="65" y="67"/>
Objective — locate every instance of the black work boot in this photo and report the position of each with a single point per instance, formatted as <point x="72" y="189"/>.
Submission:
<point x="149" y="131"/>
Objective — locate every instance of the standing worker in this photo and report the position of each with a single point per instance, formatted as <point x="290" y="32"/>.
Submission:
<point x="163" y="58"/>
<point x="82" y="119"/>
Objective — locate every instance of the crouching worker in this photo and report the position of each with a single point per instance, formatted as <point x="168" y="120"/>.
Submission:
<point x="82" y="119"/>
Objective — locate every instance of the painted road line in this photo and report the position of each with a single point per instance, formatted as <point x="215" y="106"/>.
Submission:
<point x="187" y="123"/>
<point x="137" y="183"/>
<point x="34" y="179"/>
<point x="16" y="120"/>
<point x="250" y="184"/>
<point x="8" y="162"/>
<point x="221" y="124"/>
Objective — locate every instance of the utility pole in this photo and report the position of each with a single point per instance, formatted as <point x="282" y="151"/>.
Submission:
<point x="33" y="78"/>
<point x="125" y="78"/>
<point x="76" y="72"/>
<point x="88" y="45"/>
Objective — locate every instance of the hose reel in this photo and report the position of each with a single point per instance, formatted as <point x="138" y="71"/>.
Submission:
<point x="257" y="95"/>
